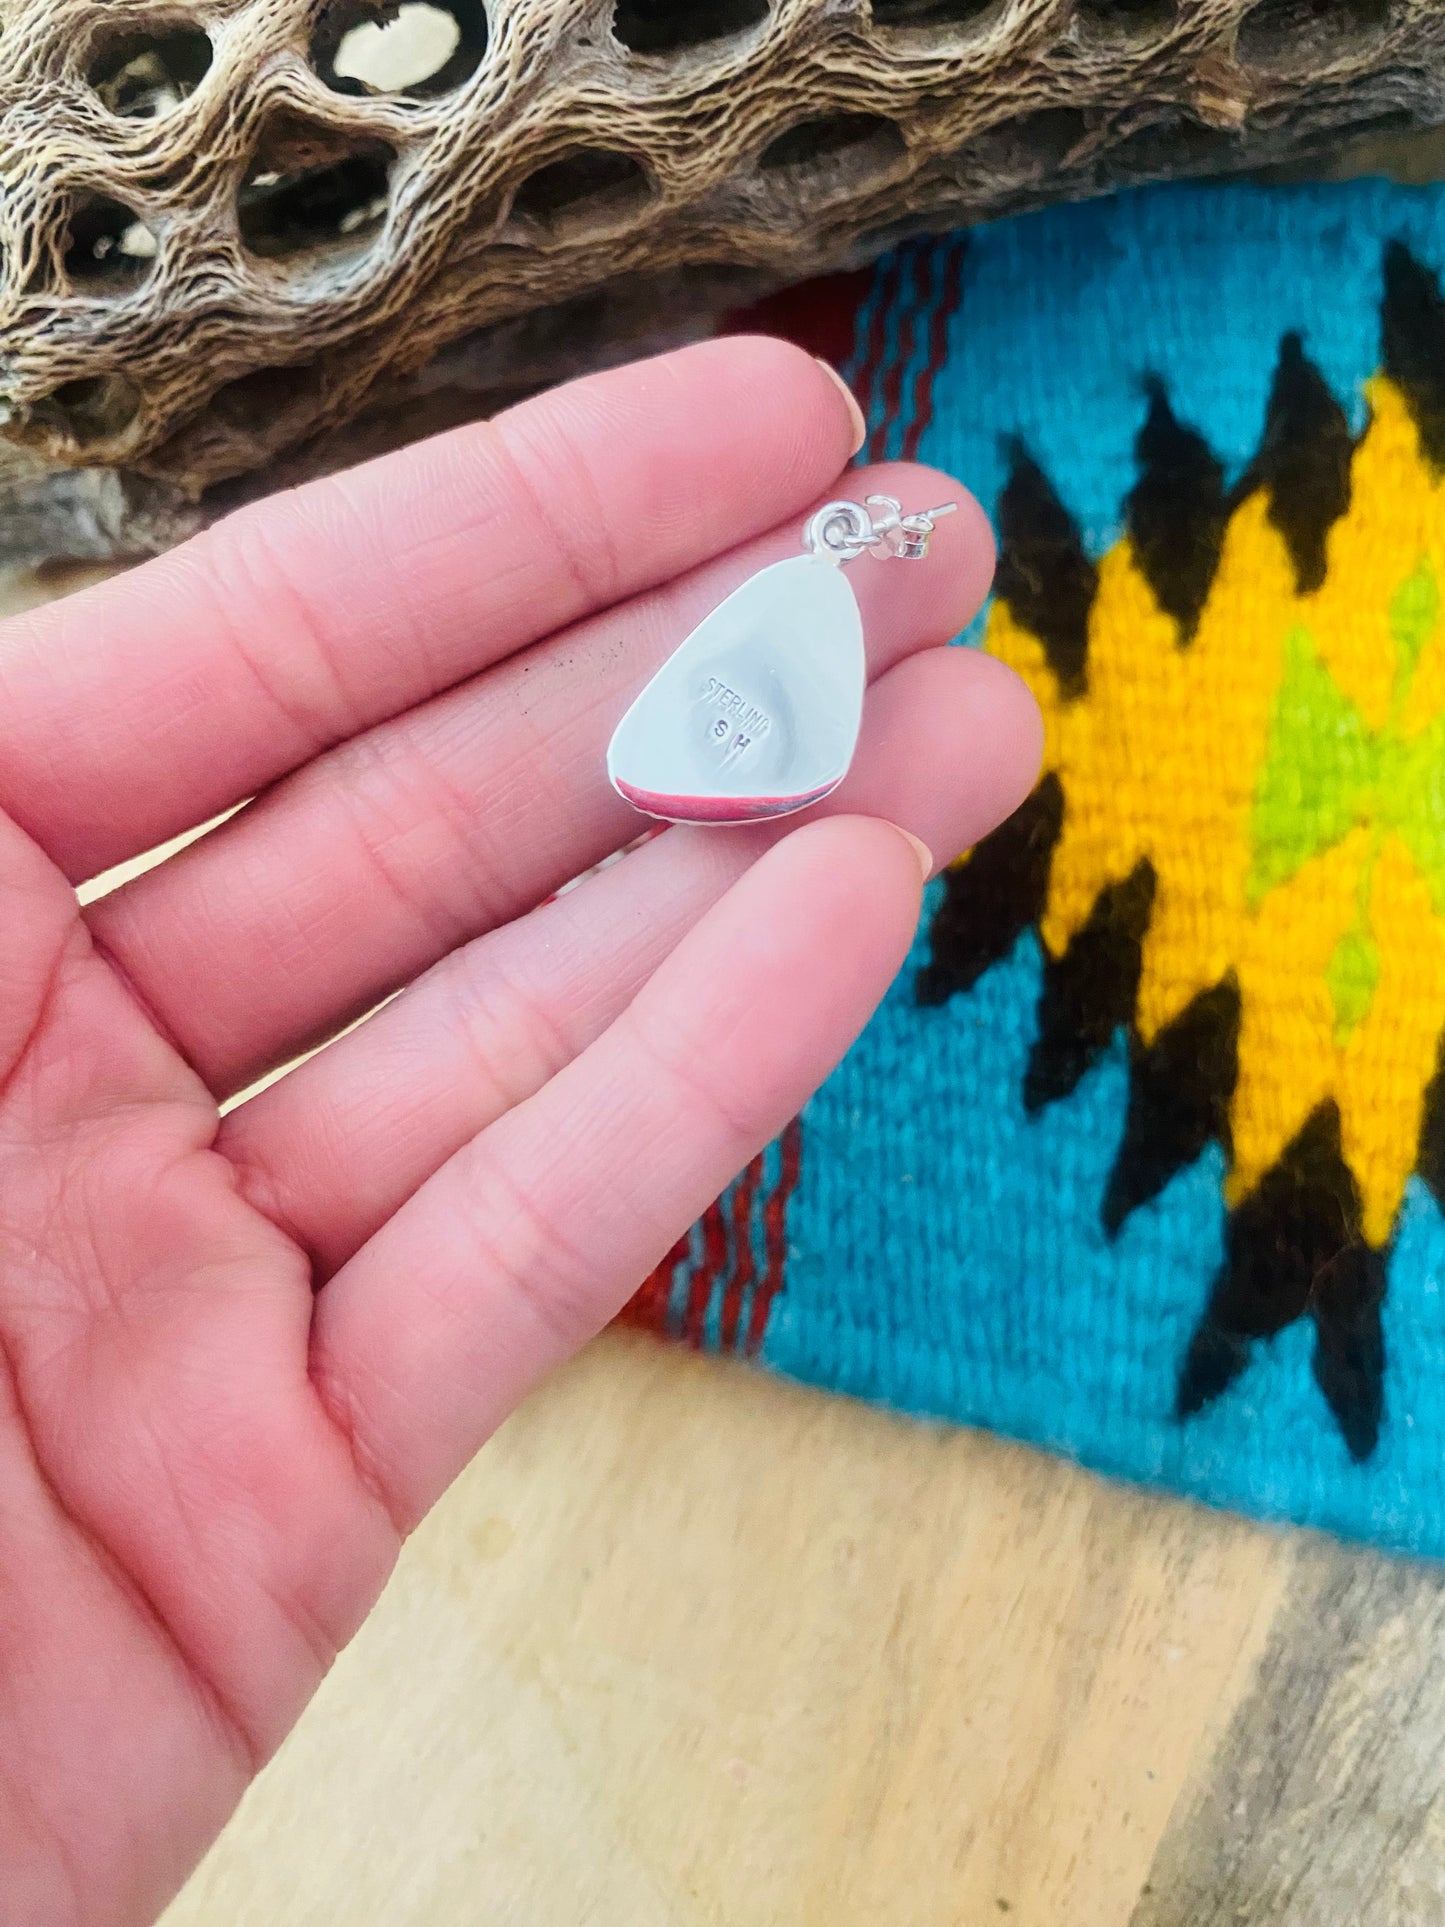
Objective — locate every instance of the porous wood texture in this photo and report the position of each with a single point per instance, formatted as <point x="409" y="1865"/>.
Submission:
<point x="226" y="222"/>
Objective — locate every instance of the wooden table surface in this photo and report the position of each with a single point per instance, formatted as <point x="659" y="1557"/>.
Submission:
<point x="688" y="1646"/>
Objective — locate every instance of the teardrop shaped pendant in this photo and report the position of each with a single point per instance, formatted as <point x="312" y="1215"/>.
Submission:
<point x="757" y="713"/>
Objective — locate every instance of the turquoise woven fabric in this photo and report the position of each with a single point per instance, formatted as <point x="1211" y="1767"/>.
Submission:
<point x="1202" y="1248"/>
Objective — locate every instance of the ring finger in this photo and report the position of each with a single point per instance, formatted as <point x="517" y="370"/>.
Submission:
<point x="332" y="1150"/>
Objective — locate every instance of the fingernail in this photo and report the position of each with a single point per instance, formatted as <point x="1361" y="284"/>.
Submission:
<point x="855" y="413"/>
<point x="920" y="850"/>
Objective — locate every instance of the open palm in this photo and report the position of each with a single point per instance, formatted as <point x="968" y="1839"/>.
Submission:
<point x="240" y="1356"/>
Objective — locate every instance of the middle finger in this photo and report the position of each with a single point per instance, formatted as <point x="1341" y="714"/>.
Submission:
<point x="358" y="872"/>
<point x="948" y="746"/>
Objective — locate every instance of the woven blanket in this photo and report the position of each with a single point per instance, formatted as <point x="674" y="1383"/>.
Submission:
<point x="1144" y="1157"/>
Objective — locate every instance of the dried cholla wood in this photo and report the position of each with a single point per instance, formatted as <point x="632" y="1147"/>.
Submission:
<point x="221" y="240"/>
<point x="85" y="514"/>
<point x="64" y="514"/>
<point x="50" y="514"/>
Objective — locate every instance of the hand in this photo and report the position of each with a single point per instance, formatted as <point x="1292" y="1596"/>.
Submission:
<point x="240" y="1357"/>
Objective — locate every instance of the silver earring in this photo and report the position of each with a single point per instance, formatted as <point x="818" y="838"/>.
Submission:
<point x="757" y="713"/>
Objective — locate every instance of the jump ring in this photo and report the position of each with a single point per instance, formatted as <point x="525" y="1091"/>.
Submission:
<point x="840" y="532"/>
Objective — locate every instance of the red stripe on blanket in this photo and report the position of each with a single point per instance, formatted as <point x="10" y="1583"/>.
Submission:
<point x="913" y="268"/>
<point x="821" y="315"/>
<point x="947" y="307"/>
<point x="714" y="1257"/>
<point x="775" y="1225"/>
<point x="745" y="1194"/>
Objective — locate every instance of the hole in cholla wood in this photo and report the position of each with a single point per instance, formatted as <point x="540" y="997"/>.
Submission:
<point x="933" y="13"/>
<point x="90" y="410"/>
<point x="107" y="246"/>
<point x="310" y="190"/>
<point x="1127" y="19"/>
<point x="264" y="394"/>
<point x="593" y="184"/>
<point x="1180" y="144"/>
<point x="667" y="26"/>
<point x="1294" y="35"/>
<point x="1023" y="151"/>
<point x="418" y="49"/>
<point x="833" y="150"/>
<point x="141" y="76"/>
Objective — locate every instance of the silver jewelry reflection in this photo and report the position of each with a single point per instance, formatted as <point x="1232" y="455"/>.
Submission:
<point x="757" y="713"/>
<point x="842" y="531"/>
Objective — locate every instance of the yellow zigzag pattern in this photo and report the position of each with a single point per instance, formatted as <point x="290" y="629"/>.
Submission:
<point x="1162" y="758"/>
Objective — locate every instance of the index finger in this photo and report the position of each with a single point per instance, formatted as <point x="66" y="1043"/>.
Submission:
<point x="136" y="710"/>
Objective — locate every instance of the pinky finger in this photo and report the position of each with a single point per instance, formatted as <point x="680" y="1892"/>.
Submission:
<point x="533" y="1236"/>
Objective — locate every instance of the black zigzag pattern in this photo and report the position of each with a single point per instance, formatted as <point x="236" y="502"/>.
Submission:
<point x="1304" y="463"/>
<point x="1178" y="512"/>
<point x="989" y="901"/>
<point x="1045" y="574"/>
<point x="1179" y="1092"/>
<point x="1090" y="991"/>
<point x="1295" y="1247"/>
<point x="1413" y="346"/>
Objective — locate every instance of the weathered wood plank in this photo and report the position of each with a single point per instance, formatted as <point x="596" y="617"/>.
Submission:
<point x="1325" y="1802"/>
<point x="688" y="1646"/>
